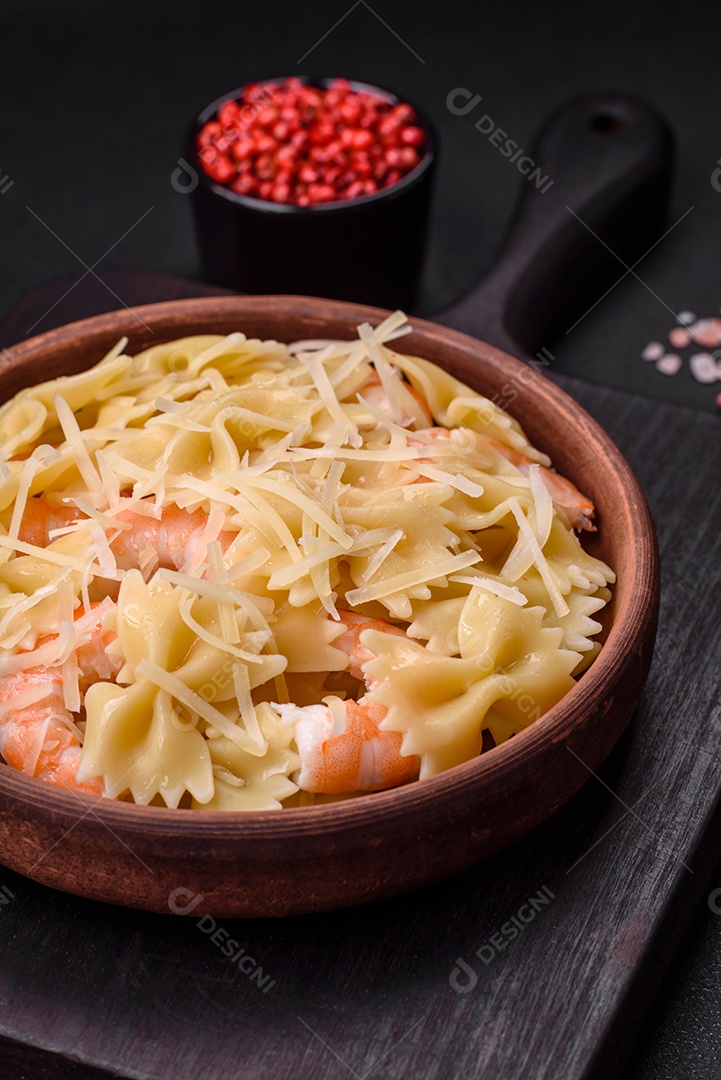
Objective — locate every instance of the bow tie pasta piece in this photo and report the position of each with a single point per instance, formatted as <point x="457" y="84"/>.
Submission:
<point x="244" y="781"/>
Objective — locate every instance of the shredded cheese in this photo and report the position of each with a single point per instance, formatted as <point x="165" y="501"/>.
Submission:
<point x="226" y="614"/>
<point x="247" y="708"/>
<point x="51" y="654"/>
<point x="327" y="552"/>
<point x="382" y="554"/>
<point x="543" y="504"/>
<point x="57" y="558"/>
<point x="227" y="777"/>
<point x="355" y="357"/>
<point x="70" y="670"/>
<point x="424" y="575"/>
<point x="312" y="506"/>
<point x="407" y="453"/>
<point x="460" y="483"/>
<point x="30" y="764"/>
<point x="23" y="603"/>
<point x="74" y="437"/>
<point x="506" y="592"/>
<point x="186" y="612"/>
<point x="217" y="592"/>
<point x="559" y="604"/>
<point x="344" y="429"/>
<point x="240" y="503"/>
<point x="26" y="698"/>
<point x="178" y="690"/>
<point x="27" y="475"/>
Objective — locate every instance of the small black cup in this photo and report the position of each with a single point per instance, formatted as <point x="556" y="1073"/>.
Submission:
<point x="368" y="249"/>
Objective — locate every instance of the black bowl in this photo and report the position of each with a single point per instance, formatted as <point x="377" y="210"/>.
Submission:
<point x="368" y="249"/>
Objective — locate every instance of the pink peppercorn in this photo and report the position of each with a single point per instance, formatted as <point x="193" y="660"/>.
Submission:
<point x="293" y="143"/>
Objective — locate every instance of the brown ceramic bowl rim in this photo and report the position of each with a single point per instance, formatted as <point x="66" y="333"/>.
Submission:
<point x="625" y="637"/>
<point x="336" y="206"/>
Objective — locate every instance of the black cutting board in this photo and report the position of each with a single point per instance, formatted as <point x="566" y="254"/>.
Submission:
<point x="368" y="991"/>
<point x="536" y="964"/>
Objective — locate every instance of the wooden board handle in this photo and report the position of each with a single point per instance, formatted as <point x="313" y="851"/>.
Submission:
<point x="610" y="159"/>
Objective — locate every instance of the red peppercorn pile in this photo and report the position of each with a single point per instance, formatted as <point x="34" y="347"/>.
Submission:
<point x="289" y="142"/>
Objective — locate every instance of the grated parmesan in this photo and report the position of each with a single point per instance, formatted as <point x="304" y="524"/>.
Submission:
<point x="381" y="555"/>
<point x="543" y="504"/>
<point x="51" y="654"/>
<point x="424" y="575"/>
<point x="456" y="481"/>
<point x="202" y="632"/>
<point x="506" y="592"/>
<point x="69" y="670"/>
<point x="226" y="614"/>
<point x="559" y="604"/>
<point x="343" y="429"/>
<point x="74" y="437"/>
<point x="27" y="475"/>
<point x="178" y="690"/>
<point x="26" y="698"/>
<point x="247" y="708"/>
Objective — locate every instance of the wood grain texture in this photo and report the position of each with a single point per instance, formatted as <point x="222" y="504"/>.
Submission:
<point x="144" y="996"/>
<point x="317" y="858"/>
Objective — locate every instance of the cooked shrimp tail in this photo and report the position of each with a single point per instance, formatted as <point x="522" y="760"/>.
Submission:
<point x="341" y="744"/>
<point x="38" y="733"/>
<point x="174" y="539"/>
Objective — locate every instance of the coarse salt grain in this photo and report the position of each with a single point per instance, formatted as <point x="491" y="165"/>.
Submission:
<point x="679" y="337"/>
<point x="707" y="332"/>
<point x="653" y="351"/>
<point x="704" y="368"/>
<point x="670" y="364"/>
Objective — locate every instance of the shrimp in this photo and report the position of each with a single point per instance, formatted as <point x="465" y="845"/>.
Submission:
<point x="176" y="537"/>
<point x="566" y="496"/>
<point x="38" y="736"/>
<point x="578" y="507"/>
<point x="429" y="433"/>
<point x="374" y="393"/>
<point x="343" y="749"/>
<point x="41" y="517"/>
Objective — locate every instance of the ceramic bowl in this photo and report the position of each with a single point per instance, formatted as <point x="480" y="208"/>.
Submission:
<point x="323" y="857"/>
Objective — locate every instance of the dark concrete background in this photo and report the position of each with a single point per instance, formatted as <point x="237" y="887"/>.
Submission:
<point x="94" y="100"/>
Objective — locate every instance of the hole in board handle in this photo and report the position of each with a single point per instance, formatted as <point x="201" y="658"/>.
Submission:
<point x="606" y="123"/>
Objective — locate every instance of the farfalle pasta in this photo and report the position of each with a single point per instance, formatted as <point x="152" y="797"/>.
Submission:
<point x="245" y="575"/>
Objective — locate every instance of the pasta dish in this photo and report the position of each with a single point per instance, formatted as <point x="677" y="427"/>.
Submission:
<point x="238" y="574"/>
